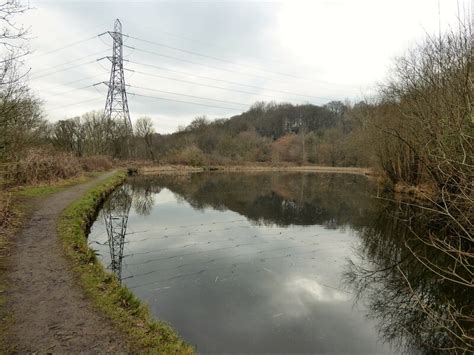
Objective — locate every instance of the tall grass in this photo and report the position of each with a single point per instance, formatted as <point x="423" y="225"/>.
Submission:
<point x="44" y="166"/>
<point x="38" y="165"/>
<point x="96" y="163"/>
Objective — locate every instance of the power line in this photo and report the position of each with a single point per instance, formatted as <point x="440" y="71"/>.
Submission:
<point x="190" y="39"/>
<point x="76" y="81"/>
<point x="203" y="65"/>
<point x="212" y="57"/>
<point x="210" y="86"/>
<point x="193" y="96"/>
<point x="65" y="69"/>
<point x="229" y="82"/>
<point x="74" y="104"/>
<point x="15" y="57"/>
<point x="255" y="67"/>
<point x="69" y="91"/>
<point x="184" y="102"/>
<point x="69" y="62"/>
<point x="65" y="46"/>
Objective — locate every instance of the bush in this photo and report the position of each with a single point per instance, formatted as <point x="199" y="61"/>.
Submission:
<point x="190" y="155"/>
<point x="96" y="163"/>
<point x="39" y="165"/>
<point x="288" y="148"/>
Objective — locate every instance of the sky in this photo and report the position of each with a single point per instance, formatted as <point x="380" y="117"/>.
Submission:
<point x="217" y="58"/>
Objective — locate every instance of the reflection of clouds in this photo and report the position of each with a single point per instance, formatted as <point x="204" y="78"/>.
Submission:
<point x="165" y="196"/>
<point x="320" y="293"/>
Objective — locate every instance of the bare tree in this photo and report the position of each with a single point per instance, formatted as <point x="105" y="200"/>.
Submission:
<point x="19" y="110"/>
<point x="423" y="129"/>
<point x="144" y="130"/>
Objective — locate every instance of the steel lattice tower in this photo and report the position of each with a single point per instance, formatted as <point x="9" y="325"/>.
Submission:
<point x="116" y="106"/>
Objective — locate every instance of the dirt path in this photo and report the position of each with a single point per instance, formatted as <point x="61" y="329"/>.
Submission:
<point x="50" y="311"/>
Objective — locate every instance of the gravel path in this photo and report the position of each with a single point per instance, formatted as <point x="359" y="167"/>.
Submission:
<point x="49" y="309"/>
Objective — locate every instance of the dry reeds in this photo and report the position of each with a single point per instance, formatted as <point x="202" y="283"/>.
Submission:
<point x="96" y="163"/>
<point x="38" y="165"/>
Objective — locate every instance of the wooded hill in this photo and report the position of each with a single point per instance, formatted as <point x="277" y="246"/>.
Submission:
<point x="270" y="132"/>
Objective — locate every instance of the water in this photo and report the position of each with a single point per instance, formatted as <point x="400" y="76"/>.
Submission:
<point x="245" y="262"/>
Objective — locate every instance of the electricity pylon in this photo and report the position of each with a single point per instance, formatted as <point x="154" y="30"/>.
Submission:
<point x="116" y="106"/>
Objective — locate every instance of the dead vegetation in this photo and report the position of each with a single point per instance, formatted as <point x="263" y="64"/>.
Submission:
<point x="47" y="166"/>
<point x="96" y="163"/>
<point x="5" y="209"/>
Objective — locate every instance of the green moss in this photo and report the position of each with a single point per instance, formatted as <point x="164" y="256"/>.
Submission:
<point x="109" y="296"/>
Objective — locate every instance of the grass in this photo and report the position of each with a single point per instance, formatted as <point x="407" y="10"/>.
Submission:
<point x="108" y="295"/>
<point x="43" y="190"/>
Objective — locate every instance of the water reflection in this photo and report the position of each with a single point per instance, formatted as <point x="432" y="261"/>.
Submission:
<point x="115" y="212"/>
<point x="247" y="263"/>
<point x="253" y="263"/>
<point x="283" y="199"/>
<point x="413" y="289"/>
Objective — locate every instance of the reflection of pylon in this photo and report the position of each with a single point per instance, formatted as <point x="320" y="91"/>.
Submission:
<point x="116" y="219"/>
<point x="116" y="106"/>
<point x="116" y="231"/>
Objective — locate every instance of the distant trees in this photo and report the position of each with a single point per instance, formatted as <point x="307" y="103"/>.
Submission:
<point x="270" y="132"/>
<point x="95" y="134"/>
<point x="91" y="134"/>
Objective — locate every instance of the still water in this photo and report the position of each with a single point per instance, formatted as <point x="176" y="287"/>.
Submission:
<point x="246" y="262"/>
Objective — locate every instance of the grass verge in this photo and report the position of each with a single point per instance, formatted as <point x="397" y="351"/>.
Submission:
<point x="109" y="296"/>
<point x="43" y="190"/>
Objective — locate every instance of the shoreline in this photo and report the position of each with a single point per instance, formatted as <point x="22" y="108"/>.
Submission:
<point x="127" y="313"/>
<point x="91" y="300"/>
<point x="183" y="169"/>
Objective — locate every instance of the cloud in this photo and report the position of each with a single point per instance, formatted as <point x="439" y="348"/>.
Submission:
<point x="327" y="49"/>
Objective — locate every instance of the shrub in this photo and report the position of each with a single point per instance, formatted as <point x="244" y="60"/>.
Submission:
<point x="39" y="165"/>
<point x="190" y="155"/>
<point x="96" y="163"/>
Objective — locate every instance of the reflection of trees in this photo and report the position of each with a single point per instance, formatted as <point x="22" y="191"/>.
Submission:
<point x="412" y="287"/>
<point x="280" y="198"/>
<point x="143" y="191"/>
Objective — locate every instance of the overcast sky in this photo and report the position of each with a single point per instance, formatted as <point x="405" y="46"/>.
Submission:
<point x="291" y="51"/>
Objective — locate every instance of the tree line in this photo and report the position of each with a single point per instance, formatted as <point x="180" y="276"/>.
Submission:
<point x="417" y="130"/>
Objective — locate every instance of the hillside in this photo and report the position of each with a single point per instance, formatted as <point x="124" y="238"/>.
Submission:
<point x="269" y="132"/>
